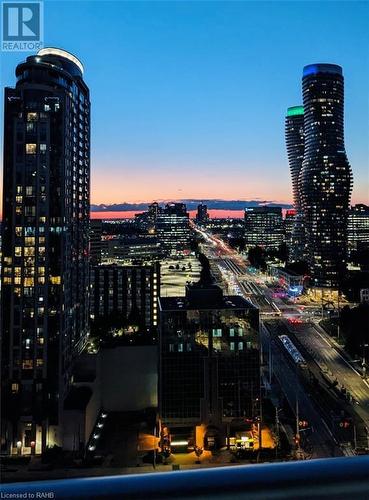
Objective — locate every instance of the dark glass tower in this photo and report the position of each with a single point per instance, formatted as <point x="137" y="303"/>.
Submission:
<point x="294" y="131"/>
<point x="45" y="269"/>
<point x="326" y="178"/>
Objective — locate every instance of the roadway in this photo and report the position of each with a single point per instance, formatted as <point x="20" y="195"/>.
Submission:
<point x="237" y="278"/>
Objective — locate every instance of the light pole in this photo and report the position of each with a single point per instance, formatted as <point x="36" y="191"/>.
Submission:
<point x="277" y="430"/>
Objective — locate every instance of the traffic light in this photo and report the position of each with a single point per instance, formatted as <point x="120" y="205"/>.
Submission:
<point x="345" y="423"/>
<point x="303" y="424"/>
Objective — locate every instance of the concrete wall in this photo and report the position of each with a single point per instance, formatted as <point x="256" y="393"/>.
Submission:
<point x="128" y="377"/>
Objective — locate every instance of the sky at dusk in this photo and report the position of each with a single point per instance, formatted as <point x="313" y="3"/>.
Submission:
<point x="189" y="98"/>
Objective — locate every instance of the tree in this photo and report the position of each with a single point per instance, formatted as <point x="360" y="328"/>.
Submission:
<point x="256" y="257"/>
<point x="354" y="324"/>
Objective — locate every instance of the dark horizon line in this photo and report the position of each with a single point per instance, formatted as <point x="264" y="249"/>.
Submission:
<point x="212" y="204"/>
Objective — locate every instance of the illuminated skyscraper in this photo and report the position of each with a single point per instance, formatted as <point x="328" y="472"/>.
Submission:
<point x="326" y="178"/>
<point x="173" y="228"/>
<point x="294" y="130"/>
<point x="45" y="269"/>
<point x="264" y="227"/>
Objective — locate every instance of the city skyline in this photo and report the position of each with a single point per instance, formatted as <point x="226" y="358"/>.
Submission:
<point x="205" y="121"/>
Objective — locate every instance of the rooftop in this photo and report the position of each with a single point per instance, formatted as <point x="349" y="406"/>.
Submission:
<point x="206" y="297"/>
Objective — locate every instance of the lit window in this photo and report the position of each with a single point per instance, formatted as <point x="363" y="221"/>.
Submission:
<point x="55" y="280"/>
<point x="31" y="117"/>
<point x="15" y="388"/>
<point x="31" y="149"/>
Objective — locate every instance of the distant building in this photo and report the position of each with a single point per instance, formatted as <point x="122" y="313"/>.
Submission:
<point x="294" y="131"/>
<point x="129" y="293"/>
<point x="358" y="227"/>
<point x="173" y="228"/>
<point x="209" y="360"/>
<point x="119" y="249"/>
<point x="202" y="215"/>
<point x="45" y="246"/>
<point x="263" y="227"/>
<point x="290" y="281"/>
<point x="147" y="220"/>
<point x="288" y="225"/>
<point x="95" y="241"/>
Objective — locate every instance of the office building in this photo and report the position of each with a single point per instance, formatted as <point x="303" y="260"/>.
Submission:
<point x="209" y="361"/>
<point x="263" y="227"/>
<point x="325" y="178"/>
<point x="173" y="228"/>
<point x="294" y="132"/>
<point x="358" y="227"/>
<point x="147" y="220"/>
<point x="124" y="249"/>
<point x="126" y="293"/>
<point x="45" y="268"/>
<point x="202" y="215"/>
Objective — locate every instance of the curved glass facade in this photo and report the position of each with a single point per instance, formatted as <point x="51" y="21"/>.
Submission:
<point x="325" y="178"/>
<point x="294" y="131"/>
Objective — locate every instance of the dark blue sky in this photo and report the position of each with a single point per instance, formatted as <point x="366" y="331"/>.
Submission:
<point x="189" y="98"/>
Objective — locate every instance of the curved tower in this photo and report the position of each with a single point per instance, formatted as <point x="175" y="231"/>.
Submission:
<point x="45" y="270"/>
<point x="294" y="132"/>
<point x="325" y="178"/>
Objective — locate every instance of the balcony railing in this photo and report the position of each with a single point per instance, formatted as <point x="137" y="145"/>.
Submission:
<point x="336" y="479"/>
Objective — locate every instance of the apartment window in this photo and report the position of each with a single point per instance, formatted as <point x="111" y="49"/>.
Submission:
<point x="42" y="148"/>
<point x="32" y="117"/>
<point x="217" y="332"/>
<point x="27" y="364"/>
<point x="31" y="149"/>
<point x="15" y="388"/>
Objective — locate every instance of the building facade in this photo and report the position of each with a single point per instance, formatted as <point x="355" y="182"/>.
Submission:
<point x="45" y="252"/>
<point x="294" y="132"/>
<point x="325" y="178"/>
<point x="173" y="228"/>
<point x="264" y="227"/>
<point x="358" y="227"/>
<point x="209" y="360"/>
<point x="127" y="293"/>
<point x="96" y="243"/>
<point x="202" y="215"/>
